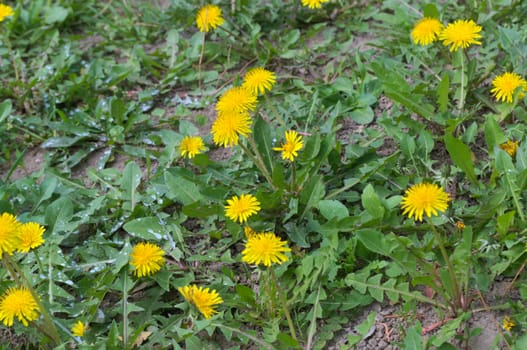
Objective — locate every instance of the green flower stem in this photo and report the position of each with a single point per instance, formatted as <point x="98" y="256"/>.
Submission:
<point x="462" y="96"/>
<point x="284" y="303"/>
<point x="10" y="51"/>
<point x="201" y="59"/>
<point x="41" y="268"/>
<point x="15" y="270"/>
<point x="257" y="160"/>
<point x="275" y="111"/>
<point x="451" y="270"/>
<point x="293" y="177"/>
<point x="125" y="305"/>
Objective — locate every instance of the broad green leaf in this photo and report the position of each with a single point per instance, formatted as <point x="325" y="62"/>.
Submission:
<point x="376" y="293"/>
<point x="312" y="193"/>
<point x="504" y="221"/>
<point x="414" y="339"/>
<point x="183" y="190"/>
<point x="431" y="11"/>
<point x="147" y="228"/>
<point x="372" y="203"/>
<point x="118" y="110"/>
<point x="461" y="156"/>
<point x="494" y="136"/>
<point x="58" y="216"/>
<point x="129" y="183"/>
<point x="55" y="14"/>
<point x="202" y="211"/>
<point x="373" y="240"/>
<point x="362" y="115"/>
<point x="333" y="209"/>
<point x="409" y="101"/>
<point x="442" y="93"/>
<point x="5" y="110"/>
<point x="263" y="139"/>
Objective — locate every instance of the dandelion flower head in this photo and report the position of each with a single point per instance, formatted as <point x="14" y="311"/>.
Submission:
<point x="510" y="147"/>
<point x="241" y="208"/>
<point x="259" y="80"/>
<point x="236" y="99"/>
<point x="190" y="146"/>
<point x="9" y="234"/>
<point x="460" y="34"/>
<point x="228" y="127"/>
<point x="460" y="225"/>
<point x="426" y="31"/>
<point x="313" y="4"/>
<point x="147" y="259"/>
<point x="204" y="299"/>
<point x="422" y="199"/>
<point x="30" y="236"/>
<point x="19" y="303"/>
<point x="293" y="144"/>
<point x="506" y="84"/>
<point x="5" y="11"/>
<point x="265" y="248"/>
<point x="78" y="329"/>
<point x="208" y="18"/>
<point x="508" y="324"/>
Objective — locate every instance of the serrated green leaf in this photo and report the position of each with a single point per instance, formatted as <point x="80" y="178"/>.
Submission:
<point x="183" y="190"/>
<point x="461" y="156"/>
<point x="263" y="139"/>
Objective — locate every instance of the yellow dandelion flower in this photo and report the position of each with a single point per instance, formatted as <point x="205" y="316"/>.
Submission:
<point x="422" y="199"/>
<point x="9" y="237"/>
<point x="508" y="324"/>
<point x="506" y="84"/>
<point x="236" y="99"/>
<point x="426" y="31"/>
<point x="5" y="11"/>
<point x="190" y="146"/>
<point x="293" y="144"/>
<point x="460" y="225"/>
<point x="265" y="248"/>
<point x="19" y="303"/>
<point x="204" y="299"/>
<point x="78" y="329"/>
<point x="460" y="34"/>
<point x="259" y="80"/>
<point x="313" y="4"/>
<point x="240" y="208"/>
<point x="510" y="147"/>
<point x="147" y="259"/>
<point x="30" y="236"/>
<point x="208" y="18"/>
<point x="228" y="126"/>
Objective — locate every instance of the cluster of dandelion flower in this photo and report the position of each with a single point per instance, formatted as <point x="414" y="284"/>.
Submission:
<point x="5" y="11"/>
<point x="147" y="259"/>
<point x="265" y="248"/>
<point x="16" y="236"/>
<point x="505" y="85"/>
<point x="293" y="144"/>
<point x="234" y="106"/>
<point x="204" y="299"/>
<point x="313" y="4"/>
<point x="424" y="198"/>
<point x="19" y="303"/>
<point x="460" y="34"/>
